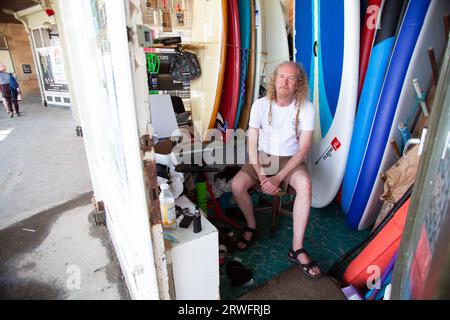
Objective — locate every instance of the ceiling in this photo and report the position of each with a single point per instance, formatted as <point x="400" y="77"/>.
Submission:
<point x="14" y="5"/>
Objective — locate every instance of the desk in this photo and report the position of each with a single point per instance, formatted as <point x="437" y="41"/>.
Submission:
<point x="195" y="259"/>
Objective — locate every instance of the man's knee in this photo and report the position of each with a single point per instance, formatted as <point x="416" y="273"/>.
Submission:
<point x="302" y="183"/>
<point x="239" y="185"/>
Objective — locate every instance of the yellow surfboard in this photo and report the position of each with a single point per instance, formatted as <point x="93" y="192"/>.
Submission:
<point x="209" y="27"/>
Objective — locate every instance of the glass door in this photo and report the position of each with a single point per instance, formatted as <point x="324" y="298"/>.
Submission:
<point x="421" y="271"/>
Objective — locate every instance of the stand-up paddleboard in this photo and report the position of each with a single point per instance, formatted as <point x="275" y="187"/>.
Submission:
<point x="260" y="46"/>
<point x="326" y="43"/>
<point x="365" y="206"/>
<point x="277" y="47"/>
<point x="367" y="37"/>
<point x="206" y="90"/>
<point x="230" y="98"/>
<point x="379" y="251"/>
<point x="246" y="31"/>
<point x="378" y="64"/>
<point x="250" y="85"/>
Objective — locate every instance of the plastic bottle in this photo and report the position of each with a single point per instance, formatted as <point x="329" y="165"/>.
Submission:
<point x="168" y="212"/>
<point x="197" y="220"/>
<point x="202" y="192"/>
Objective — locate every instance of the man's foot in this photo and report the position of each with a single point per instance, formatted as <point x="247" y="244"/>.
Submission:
<point x="11" y="115"/>
<point x="308" y="266"/>
<point x="246" y="239"/>
<point x="18" y="114"/>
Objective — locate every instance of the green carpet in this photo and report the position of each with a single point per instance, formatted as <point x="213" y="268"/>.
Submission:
<point x="327" y="238"/>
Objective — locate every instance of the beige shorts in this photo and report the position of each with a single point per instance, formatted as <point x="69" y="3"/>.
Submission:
<point x="275" y="164"/>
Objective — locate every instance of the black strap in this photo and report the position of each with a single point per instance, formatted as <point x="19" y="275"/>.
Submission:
<point x="296" y="253"/>
<point x="247" y="228"/>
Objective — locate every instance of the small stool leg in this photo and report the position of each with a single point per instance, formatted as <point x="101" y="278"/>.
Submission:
<point x="276" y="201"/>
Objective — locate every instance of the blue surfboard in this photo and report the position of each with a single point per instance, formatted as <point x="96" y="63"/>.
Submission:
<point x="245" y="26"/>
<point x="385" y="111"/>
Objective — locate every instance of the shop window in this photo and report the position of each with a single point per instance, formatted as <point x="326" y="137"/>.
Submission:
<point x="38" y="42"/>
<point x="46" y="37"/>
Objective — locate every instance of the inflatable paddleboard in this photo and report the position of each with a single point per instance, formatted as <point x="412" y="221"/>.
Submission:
<point x="367" y="37"/>
<point x="206" y="90"/>
<point x="246" y="31"/>
<point x="378" y="64"/>
<point x="276" y="41"/>
<point x="326" y="42"/>
<point x="230" y="98"/>
<point x="250" y="85"/>
<point x="365" y="204"/>
<point x="378" y="252"/>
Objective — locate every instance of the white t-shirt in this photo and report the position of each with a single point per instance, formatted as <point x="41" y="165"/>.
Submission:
<point x="279" y="139"/>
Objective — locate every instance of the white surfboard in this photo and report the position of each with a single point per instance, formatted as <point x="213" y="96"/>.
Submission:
<point x="432" y="35"/>
<point x="209" y="32"/>
<point x="260" y="47"/>
<point x="276" y="42"/>
<point x="329" y="50"/>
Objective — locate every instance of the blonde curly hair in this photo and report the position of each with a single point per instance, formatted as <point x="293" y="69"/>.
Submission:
<point x="301" y="94"/>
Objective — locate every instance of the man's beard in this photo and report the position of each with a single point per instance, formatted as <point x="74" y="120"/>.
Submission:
<point x="283" y="95"/>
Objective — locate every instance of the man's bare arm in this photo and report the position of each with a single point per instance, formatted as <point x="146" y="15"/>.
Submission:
<point x="253" y="134"/>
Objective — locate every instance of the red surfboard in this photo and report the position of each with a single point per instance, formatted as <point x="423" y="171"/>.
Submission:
<point x="367" y="36"/>
<point x="230" y="94"/>
<point x="379" y="251"/>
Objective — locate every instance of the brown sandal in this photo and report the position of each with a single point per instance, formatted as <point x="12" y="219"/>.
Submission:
<point x="305" y="267"/>
<point x="246" y="242"/>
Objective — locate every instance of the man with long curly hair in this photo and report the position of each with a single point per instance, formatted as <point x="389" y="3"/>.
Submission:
<point x="280" y="136"/>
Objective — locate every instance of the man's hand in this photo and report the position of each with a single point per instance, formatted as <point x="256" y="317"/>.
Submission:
<point x="270" y="185"/>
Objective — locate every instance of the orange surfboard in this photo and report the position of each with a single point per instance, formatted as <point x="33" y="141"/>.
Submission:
<point x="378" y="252"/>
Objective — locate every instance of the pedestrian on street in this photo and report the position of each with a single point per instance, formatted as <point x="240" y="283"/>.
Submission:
<point x="10" y="91"/>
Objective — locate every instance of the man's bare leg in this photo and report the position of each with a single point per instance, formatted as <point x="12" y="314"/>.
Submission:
<point x="239" y="186"/>
<point x="301" y="182"/>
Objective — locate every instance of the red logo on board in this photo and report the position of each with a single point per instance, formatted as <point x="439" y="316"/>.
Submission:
<point x="336" y="144"/>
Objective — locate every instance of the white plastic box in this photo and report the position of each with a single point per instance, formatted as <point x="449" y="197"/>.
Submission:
<point x="195" y="259"/>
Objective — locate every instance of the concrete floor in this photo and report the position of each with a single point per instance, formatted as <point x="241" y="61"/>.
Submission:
<point x="294" y="285"/>
<point x="49" y="245"/>
<point x="43" y="162"/>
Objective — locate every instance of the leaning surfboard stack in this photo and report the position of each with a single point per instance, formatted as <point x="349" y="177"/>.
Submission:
<point x="377" y="66"/>
<point x="364" y="204"/>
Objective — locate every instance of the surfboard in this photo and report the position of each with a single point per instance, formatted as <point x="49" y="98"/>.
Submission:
<point x="250" y="85"/>
<point x="378" y="64"/>
<point x="246" y="31"/>
<point x="276" y="41"/>
<point x="365" y="204"/>
<point x="379" y="251"/>
<point x="326" y="43"/>
<point x="206" y="90"/>
<point x="260" y="46"/>
<point x="369" y="26"/>
<point x="230" y="98"/>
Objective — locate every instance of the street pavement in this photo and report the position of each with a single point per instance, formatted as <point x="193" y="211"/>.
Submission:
<point x="50" y="247"/>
